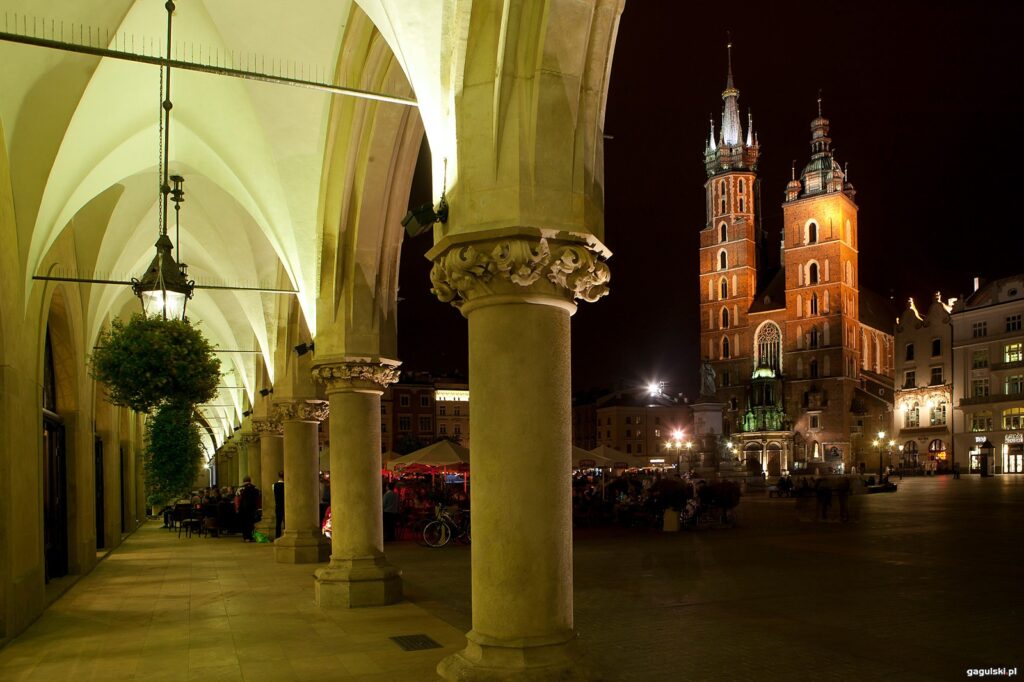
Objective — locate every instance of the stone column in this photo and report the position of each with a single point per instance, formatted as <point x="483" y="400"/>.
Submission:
<point x="359" y="574"/>
<point x="250" y="445"/>
<point x="518" y="295"/>
<point x="243" y="458"/>
<point x="301" y="540"/>
<point x="271" y="462"/>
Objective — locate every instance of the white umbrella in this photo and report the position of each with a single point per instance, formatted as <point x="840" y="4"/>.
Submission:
<point x="440" y="454"/>
<point x="585" y="459"/>
<point x="611" y="454"/>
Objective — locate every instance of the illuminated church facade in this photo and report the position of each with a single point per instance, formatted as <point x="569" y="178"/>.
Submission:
<point x="803" y="357"/>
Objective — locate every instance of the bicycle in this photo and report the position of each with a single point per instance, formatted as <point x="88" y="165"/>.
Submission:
<point x="445" y="527"/>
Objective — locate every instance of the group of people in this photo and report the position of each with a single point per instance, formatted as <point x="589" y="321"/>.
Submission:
<point x="227" y="508"/>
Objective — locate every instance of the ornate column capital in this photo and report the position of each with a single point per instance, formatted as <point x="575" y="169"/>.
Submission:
<point x="362" y="373"/>
<point x="229" y="451"/>
<point x="526" y="262"/>
<point x="249" y="438"/>
<point x="301" y="411"/>
<point x="267" y="426"/>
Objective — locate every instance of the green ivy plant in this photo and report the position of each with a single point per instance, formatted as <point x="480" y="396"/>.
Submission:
<point x="148" y="362"/>
<point x="173" y="453"/>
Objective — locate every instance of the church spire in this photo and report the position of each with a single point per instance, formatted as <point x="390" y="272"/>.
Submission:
<point x="822" y="174"/>
<point x="726" y="149"/>
<point x="732" y="130"/>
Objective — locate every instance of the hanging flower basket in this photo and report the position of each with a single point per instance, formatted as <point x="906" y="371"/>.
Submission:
<point x="148" y="362"/>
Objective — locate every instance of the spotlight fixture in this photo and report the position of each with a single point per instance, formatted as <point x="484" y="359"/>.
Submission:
<point x="419" y="220"/>
<point x="304" y="348"/>
<point x="266" y="391"/>
<point x="247" y="413"/>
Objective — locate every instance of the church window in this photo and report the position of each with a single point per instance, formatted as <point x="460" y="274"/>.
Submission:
<point x="723" y="260"/>
<point x="724" y="288"/>
<point x="825" y="308"/>
<point x="768" y="346"/>
<point x="799" y="337"/>
<point x="813" y="369"/>
<point x="725" y="378"/>
<point x="723" y="233"/>
<point x="815" y="338"/>
<point x="799" y="368"/>
<point x="812" y="232"/>
<point x="742" y="185"/>
<point x="743" y="205"/>
<point x="812" y="273"/>
<point x="825" y="334"/>
<point x="814" y="304"/>
<point x="721" y="192"/>
<point x="725" y="346"/>
<point x="725" y="318"/>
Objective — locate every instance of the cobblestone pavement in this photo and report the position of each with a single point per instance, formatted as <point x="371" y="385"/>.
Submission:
<point x="924" y="586"/>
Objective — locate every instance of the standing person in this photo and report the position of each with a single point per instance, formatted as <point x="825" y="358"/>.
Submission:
<point x="247" y="501"/>
<point x="390" y="504"/>
<point x="279" y="504"/>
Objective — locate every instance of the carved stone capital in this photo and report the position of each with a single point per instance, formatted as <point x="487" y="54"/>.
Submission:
<point x="267" y="426"/>
<point x="250" y="438"/>
<point x="302" y="410"/>
<point x="356" y="374"/>
<point x="519" y="265"/>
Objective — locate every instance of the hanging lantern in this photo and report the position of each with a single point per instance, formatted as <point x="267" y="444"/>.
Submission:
<point x="164" y="289"/>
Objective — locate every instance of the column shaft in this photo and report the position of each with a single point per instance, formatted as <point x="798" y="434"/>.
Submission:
<point x="300" y="542"/>
<point x="358" y="575"/>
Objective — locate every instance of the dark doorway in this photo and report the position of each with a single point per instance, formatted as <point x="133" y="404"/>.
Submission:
<point x="98" y="450"/>
<point x="55" y="476"/>
<point x="55" y="504"/>
<point x="124" y="495"/>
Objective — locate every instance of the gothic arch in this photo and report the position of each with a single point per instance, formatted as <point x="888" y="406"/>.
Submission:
<point x="768" y="346"/>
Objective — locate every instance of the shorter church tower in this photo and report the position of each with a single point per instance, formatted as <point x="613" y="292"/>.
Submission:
<point x="822" y="331"/>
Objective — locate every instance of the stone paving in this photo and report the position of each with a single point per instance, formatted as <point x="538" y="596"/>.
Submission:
<point x="923" y="587"/>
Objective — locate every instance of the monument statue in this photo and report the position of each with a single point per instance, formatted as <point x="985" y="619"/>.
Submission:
<point x="707" y="380"/>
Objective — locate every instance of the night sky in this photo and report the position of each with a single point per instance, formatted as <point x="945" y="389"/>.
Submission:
<point x="924" y="100"/>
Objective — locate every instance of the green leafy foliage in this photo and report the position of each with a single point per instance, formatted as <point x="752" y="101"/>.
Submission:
<point x="148" y="362"/>
<point x="173" y="453"/>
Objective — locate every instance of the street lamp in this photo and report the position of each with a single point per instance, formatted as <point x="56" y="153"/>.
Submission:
<point x="878" y="443"/>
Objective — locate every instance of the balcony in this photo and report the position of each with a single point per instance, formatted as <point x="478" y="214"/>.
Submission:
<point x="997" y="366"/>
<point x="992" y="398"/>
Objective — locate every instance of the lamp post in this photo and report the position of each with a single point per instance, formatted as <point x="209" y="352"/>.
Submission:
<point x="878" y="443"/>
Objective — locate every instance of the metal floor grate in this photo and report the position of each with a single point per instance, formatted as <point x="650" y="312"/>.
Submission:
<point x="415" y="642"/>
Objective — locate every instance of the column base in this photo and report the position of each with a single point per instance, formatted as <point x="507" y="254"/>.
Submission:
<point x="300" y="547"/>
<point x="528" y="659"/>
<point x="267" y="528"/>
<point x="349" y="583"/>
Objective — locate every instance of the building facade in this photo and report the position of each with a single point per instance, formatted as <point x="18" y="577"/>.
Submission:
<point x="636" y="424"/>
<point x="923" y="419"/>
<point x="988" y="386"/>
<point x="802" y="355"/>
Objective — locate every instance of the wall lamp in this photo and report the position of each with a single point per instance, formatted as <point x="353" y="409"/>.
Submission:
<point x="304" y="348"/>
<point x="247" y="413"/>
<point x="419" y="220"/>
<point x="266" y="391"/>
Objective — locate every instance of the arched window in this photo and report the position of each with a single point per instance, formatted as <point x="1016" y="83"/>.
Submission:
<point x="721" y="194"/>
<point x="912" y="419"/>
<point x="725" y="318"/>
<point x="814" y="304"/>
<point x="742" y="185"/>
<point x="724" y="288"/>
<point x="723" y="233"/>
<point x="812" y="233"/>
<point x="799" y="337"/>
<point x="768" y="347"/>
<point x="814" y="369"/>
<point x="725" y="346"/>
<point x="743" y="205"/>
<point x="815" y="338"/>
<point x="812" y="273"/>
<point x="723" y="260"/>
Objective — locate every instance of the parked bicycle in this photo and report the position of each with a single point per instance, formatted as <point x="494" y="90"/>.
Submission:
<point x="447" y="526"/>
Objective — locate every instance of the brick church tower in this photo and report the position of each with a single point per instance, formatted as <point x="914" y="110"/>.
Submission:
<point x="729" y="243"/>
<point x="821" y="328"/>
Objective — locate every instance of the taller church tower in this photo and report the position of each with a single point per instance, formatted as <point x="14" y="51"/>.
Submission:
<point x="729" y="243"/>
